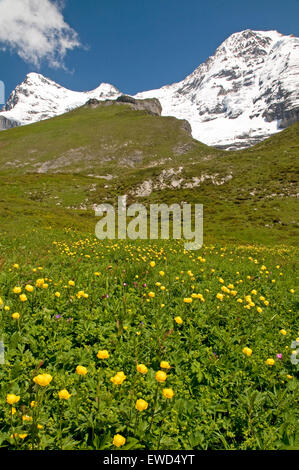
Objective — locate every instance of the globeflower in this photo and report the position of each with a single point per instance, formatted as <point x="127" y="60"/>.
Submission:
<point x="39" y="282"/>
<point x="164" y="365"/>
<point x="81" y="370"/>
<point x="23" y="298"/>
<point x="103" y="354"/>
<point x="11" y="398"/>
<point x="64" y="394"/>
<point x="220" y="296"/>
<point x="270" y="362"/>
<point x="142" y="369"/>
<point x="283" y="332"/>
<point x="151" y="294"/>
<point x="119" y="440"/>
<point x="152" y="264"/>
<point x="17" y="290"/>
<point x="161" y="376"/>
<point x="29" y="288"/>
<point x="168" y="392"/>
<point x="43" y="379"/>
<point x="178" y="320"/>
<point x="247" y="351"/>
<point x="141" y="405"/>
<point x="16" y="316"/>
<point x="118" y="378"/>
<point x="26" y="418"/>
<point x="187" y="300"/>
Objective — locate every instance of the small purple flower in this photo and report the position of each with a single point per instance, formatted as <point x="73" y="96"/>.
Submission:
<point x="279" y="356"/>
<point x="124" y="284"/>
<point x="58" y="316"/>
<point x="143" y="285"/>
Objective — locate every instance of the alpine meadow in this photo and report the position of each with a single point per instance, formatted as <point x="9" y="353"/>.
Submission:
<point x="143" y="344"/>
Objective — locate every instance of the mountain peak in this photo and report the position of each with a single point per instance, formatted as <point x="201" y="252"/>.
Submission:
<point x="245" y="92"/>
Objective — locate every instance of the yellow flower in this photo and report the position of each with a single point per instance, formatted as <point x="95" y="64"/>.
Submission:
<point x="292" y="291"/>
<point x="11" y="398"/>
<point x="43" y="379"/>
<point x="16" y="266"/>
<point x="64" y="394"/>
<point x="164" y="365"/>
<point x="16" y="316"/>
<point x="39" y="426"/>
<point x="289" y="376"/>
<point x="259" y="309"/>
<point x="178" y="320"/>
<point x="29" y="288"/>
<point x="103" y="354"/>
<point x="23" y="298"/>
<point x="266" y="303"/>
<point x="13" y="410"/>
<point x="152" y="264"/>
<point x="22" y="436"/>
<point x="187" y="300"/>
<point x="32" y="404"/>
<point x="283" y="332"/>
<point x="151" y="294"/>
<point x="141" y="405"/>
<point x="161" y="273"/>
<point x="27" y="418"/>
<point x="81" y="370"/>
<point x="161" y="376"/>
<point x="220" y="296"/>
<point x="118" y="378"/>
<point x="168" y="392"/>
<point x="71" y="283"/>
<point x="57" y="294"/>
<point x="119" y="440"/>
<point x="142" y="369"/>
<point x="247" y="351"/>
<point x="7" y="308"/>
<point x="39" y="282"/>
<point x="17" y="290"/>
<point x="270" y="362"/>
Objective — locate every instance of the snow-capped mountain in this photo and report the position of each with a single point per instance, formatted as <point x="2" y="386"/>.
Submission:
<point x="246" y="91"/>
<point x="39" y="98"/>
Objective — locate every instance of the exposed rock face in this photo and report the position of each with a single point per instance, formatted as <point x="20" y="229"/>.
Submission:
<point x="7" y="123"/>
<point x="150" y="105"/>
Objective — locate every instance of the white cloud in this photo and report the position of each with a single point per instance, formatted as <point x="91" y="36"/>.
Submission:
<point x="36" y="31"/>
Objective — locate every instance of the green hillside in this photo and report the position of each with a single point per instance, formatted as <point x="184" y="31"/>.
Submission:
<point x="55" y="170"/>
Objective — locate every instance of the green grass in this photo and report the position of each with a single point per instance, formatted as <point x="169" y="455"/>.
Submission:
<point x="223" y="399"/>
<point x="256" y="204"/>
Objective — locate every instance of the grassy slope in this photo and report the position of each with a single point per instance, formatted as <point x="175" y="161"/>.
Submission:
<point x="256" y="205"/>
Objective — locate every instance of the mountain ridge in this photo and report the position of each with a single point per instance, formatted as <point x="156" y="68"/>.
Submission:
<point x="245" y="92"/>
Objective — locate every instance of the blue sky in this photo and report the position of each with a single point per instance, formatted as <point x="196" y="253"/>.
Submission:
<point x="135" y="45"/>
